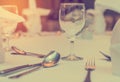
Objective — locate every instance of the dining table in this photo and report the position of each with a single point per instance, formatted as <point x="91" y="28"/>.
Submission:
<point x="64" y="71"/>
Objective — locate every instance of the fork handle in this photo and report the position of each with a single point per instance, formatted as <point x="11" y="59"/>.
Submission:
<point x="88" y="76"/>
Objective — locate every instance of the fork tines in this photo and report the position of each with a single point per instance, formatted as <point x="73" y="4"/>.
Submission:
<point x="90" y="64"/>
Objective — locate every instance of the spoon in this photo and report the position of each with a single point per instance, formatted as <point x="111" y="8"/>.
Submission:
<point x="50" y="60"/>
<point x="22" y="52"/>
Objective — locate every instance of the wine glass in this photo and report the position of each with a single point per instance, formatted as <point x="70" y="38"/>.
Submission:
<point x="8" y="26"/>
<point x="72" y="20"/>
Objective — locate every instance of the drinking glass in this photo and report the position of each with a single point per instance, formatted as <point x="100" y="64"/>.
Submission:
<point x="72" y="20"/>
<point x="8" y="26"/>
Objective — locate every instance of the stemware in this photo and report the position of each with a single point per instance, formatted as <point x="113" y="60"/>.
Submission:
<point x="8" y="26"/>
<point x="72" y="20"/>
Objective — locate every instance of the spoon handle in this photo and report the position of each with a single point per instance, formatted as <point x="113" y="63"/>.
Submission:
<point x="24" y="73"/>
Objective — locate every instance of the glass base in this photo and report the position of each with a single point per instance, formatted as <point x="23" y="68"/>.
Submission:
<point x="72" y="58"/>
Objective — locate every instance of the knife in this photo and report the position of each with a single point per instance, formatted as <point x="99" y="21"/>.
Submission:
<point x="12" y="70"/>
<point x="106" y="55"/>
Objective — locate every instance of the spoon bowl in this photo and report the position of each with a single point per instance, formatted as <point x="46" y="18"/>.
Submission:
<point x="51" y="59"/>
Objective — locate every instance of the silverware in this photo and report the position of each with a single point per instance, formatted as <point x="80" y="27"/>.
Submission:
<point x="52" y="56"/>
<point x="50" y="60"/>
<point x="24" y="73"/>
<point x="24" y="53"/>
<point x="108" y="58"/>
<point x="89" y="67"/>
<point x="13" y="70"/>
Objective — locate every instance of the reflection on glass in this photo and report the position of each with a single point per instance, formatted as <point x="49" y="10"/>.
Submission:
<point x="72" y="20"/>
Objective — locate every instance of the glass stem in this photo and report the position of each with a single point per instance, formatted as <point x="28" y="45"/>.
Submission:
<point x="72" y="48"/>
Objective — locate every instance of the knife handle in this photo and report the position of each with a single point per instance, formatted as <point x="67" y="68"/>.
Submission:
<point x="13" y="69"/>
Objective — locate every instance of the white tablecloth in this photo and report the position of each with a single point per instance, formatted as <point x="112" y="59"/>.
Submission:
<point x="69" y="71"/>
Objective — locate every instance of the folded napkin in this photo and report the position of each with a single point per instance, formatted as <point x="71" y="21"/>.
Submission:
<point x="115" y="55"/>
<point x="116" y="33"/>
<point x="4" y="14"/>
<point x="115" y="49"/>
<point x="9" y="20"/>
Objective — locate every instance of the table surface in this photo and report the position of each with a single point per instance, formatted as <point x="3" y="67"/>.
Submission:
<point x="70" y="71"/>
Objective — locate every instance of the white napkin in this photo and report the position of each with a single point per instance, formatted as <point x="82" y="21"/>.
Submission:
<point x="4" y="14"/>
<point x="115" y="54"/>
<point x="9" y="20"/>
<point x="116" y="33"/>
<point x="115" y="49"/>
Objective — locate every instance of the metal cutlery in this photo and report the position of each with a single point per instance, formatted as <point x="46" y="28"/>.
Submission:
<point x="49" y="61"/>
<point x="51" y="57"/>
<point x="89" y="67"/>
<point x="108" y="58"/>
<point x="24" y="53"/>
<point x="13" y="70"/>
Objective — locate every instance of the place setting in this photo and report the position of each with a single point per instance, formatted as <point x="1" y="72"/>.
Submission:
<point x="75" y="53"/>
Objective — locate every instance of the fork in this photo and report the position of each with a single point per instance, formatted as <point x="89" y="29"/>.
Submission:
<point x="89" y="67"/>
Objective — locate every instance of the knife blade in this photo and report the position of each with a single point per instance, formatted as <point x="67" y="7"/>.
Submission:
<point x="106" y="56"/>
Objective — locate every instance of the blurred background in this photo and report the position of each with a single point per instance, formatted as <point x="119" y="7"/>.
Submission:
<point x="49" y="22"/>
